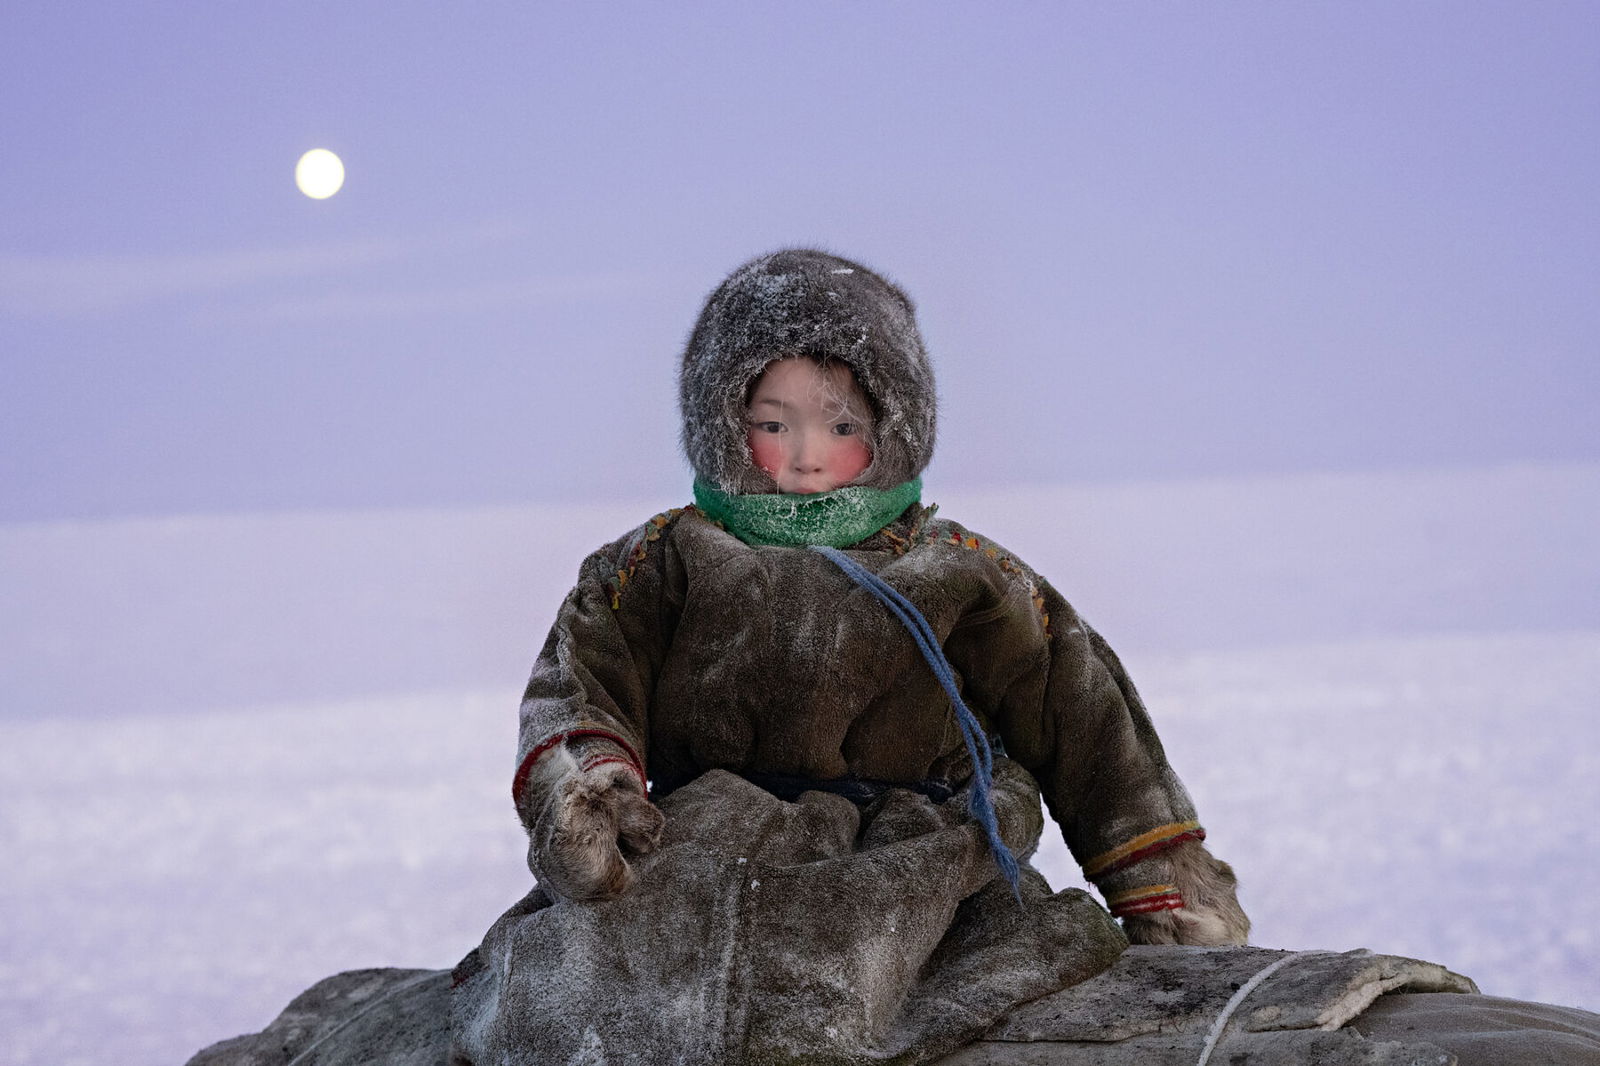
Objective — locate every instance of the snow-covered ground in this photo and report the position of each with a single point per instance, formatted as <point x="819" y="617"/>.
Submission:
<point x="1394" y="770"/>
<point x="215" y="612"/>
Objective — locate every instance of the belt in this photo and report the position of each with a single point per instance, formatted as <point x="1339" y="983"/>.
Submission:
<point x="858" y="790"/>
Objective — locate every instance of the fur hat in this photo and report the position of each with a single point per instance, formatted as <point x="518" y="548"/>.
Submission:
<point x="799" y="302"/>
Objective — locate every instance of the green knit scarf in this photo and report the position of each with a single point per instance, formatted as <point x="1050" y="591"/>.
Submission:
<point x="836" y="519"/>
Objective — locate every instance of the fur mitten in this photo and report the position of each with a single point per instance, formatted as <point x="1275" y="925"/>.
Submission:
<point x="1207" y="911"/>
<point x="586" y="824"/>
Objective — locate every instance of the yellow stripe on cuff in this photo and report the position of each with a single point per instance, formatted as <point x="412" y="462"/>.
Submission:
<point x="1134" y="894"/>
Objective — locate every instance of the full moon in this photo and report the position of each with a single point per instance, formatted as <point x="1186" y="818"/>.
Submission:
<point x="319" y="174"/>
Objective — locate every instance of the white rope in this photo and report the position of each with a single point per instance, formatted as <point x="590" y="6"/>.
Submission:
<point x="1239" y="997"/>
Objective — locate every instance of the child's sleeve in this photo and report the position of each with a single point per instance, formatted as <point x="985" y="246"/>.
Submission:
<point x="1124" y="813"/>
<point x="588" y="697"/>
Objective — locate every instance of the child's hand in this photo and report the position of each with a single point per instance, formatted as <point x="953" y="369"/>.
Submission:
<point x="592" y="823"/>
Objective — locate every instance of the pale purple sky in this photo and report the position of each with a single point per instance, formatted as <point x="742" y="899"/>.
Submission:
<point x="1147" y="240"/>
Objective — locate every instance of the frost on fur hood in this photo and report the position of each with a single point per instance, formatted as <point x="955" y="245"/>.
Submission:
<point x="800" y="302"/>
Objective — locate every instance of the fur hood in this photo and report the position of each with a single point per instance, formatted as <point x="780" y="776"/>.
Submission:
<point x="800" y="302"/>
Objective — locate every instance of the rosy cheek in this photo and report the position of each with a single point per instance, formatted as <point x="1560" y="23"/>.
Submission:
<point x="766" y="451"/>
<point x="849" y="460"/>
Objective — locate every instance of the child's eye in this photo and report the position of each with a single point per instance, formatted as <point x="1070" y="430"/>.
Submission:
<point x="846" y="429"/>
<point x="768" y="427"/>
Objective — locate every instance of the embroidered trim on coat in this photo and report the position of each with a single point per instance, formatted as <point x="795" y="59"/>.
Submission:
<point x="641" y="547"/>
<point x="1005" y="562"/>
<point x="1142" y="847"/>
<point x="903" y="544"/>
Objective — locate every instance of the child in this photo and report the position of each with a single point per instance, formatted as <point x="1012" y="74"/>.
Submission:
<point x="763" y="813"/>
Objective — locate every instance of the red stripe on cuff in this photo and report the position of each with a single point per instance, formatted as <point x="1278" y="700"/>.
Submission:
<point x="590" y="764"/>
<point x="1132" y="857"/>
<point x="520" y="780"/>
<point x="1170" y="901"/>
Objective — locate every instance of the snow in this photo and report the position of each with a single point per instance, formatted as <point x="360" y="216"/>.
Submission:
<point x="1392" y="738"/>
<point x="205" y="613"/>
<point x="1426" y="796"/>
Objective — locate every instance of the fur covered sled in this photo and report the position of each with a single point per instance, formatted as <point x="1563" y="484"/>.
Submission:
<point x="1157" y="1005"/>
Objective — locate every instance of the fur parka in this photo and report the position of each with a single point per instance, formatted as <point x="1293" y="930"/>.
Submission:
<point x="813" y="929"/>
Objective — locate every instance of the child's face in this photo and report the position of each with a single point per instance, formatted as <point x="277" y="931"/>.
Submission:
<point x="809" y="426"/>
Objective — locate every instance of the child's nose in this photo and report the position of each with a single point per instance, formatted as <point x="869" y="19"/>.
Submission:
<point x="807" y="457"/>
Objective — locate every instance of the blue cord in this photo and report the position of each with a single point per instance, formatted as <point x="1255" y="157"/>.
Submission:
<point x="981" y="806"/>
